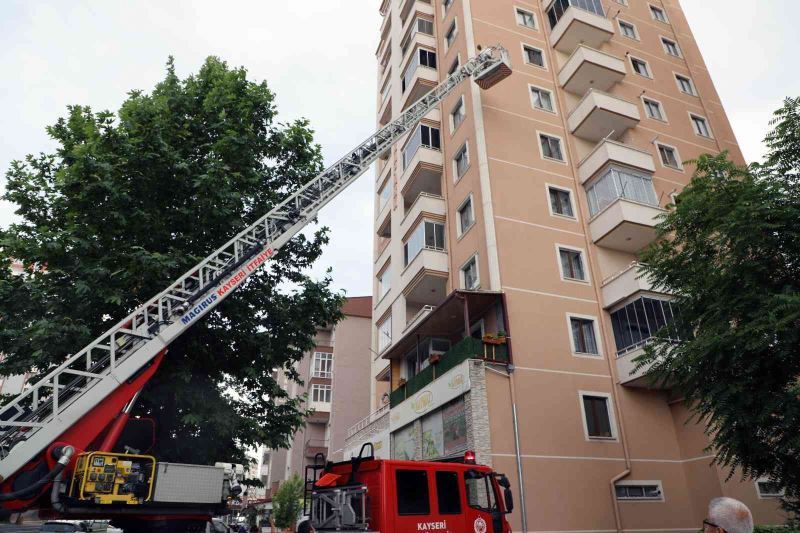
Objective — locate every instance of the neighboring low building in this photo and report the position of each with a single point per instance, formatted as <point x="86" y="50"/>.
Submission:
<point x="337" y="380"/>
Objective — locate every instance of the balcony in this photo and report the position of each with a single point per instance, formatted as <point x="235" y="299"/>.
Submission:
<point x="600" y="115"/>
<point x="467" y="348"/>
<point x="421" y="313"/>
<point x="423" y="174"/>
<point x="624" y="284"/>
<point x="638" y="379"/>
<point x="417" y="84"/>
<point x="625" y="225"/>
<point x="577" y="26"/>
<point x="425" y="204"/>
<point x="367" y="420"/>
<point x="408" y="6"/>
<point x="315" y="446"/>
<point x="384" y="116"/>
<point x="609" y="152"/>
<point x="424" y="280"/>
<point x="588" y="68"/>
<point x="418" y="32"/>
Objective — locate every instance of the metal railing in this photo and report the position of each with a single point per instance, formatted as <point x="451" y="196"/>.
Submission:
<point x="367" y="420"/>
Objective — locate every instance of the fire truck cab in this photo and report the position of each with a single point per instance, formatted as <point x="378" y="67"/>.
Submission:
<point x="375" y="495"/>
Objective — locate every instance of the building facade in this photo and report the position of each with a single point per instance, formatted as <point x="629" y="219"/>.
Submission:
<point x="508" y="306"/>
<point x="336" y="375"/>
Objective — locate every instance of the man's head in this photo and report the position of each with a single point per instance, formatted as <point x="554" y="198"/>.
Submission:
<point x="729" y="515"/>
<point x="305" y="527"/>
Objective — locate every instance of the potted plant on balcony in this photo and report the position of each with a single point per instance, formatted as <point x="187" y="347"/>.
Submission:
<point x="498" y="338"/>
<point x="402" y="382"/>
<point x="434" y="358"/>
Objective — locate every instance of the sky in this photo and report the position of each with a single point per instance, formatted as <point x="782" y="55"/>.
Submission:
<point x="318" y="57"/>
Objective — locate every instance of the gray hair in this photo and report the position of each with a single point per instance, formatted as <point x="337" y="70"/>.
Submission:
<point x="731" y="515"/>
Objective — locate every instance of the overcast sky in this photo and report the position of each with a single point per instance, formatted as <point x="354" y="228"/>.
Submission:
<point x="318" y="56"/>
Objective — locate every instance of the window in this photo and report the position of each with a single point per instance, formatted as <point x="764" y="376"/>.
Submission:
<point x="671" y="47"/>
<point x="428" y="236"/>
<point x="669" y="156"/>
<point x="542" y="99"/>
<point x="628" y="30"/>
<point x="323" y="365"/>
<point x="641" y="67"/>
<point x="420" y="25"/>
<point x="384" y="194"/>
<point x="458" y="114"/>
<point x="559" y="7"/>
<point x="469" y="274"/>
<point x="639" y="490"/>
<point x="424" y="136"/>
<point x="584" y="340"/>
<point x="446" y="5"/>
<point x="533" y="56"/>
<point x="636" y="323"/>
<point x="700" y="126"/>
<point x="526" y="18"/>
<point x="384" y="334"/>
<point x="461" y="161"/>
<point x="619" y="182"/>
<point x="597" y="416"/>
<point x="423" y="57"/>
<point x="480" y="492"/>
<point x="321" y="393"/>
<point x="571" y="264"/>
<point x="685" y="85"/>
<point x="454" y="67"/>
<point x="412" y="492"/>
<point x="653" y="109"/>
<point x="560" y="202"/>
<point x="769" y="489"/>
<point x="551" y="147"/>
<point x="447" y="493"/>
<point x="466" y="216"/>
<point x="658" y="14"/>
<point x="622" y="2"/>
<point x="384" y="282"/>
<point x="450" y="36"/>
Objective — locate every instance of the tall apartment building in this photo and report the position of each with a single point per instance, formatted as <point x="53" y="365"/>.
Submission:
<point x="336" y="376"/>
<point x="507" y="227"/>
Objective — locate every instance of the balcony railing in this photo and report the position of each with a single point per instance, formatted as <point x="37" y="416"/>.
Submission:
<point x="467" y="348"/>
<point x="367" y="420"/>
<point x="424" y="310"/>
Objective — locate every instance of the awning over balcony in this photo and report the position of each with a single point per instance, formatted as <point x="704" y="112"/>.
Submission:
<point x="447" y="319"/>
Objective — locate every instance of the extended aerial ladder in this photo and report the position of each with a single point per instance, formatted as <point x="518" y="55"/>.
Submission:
<point x="75" y="402"/>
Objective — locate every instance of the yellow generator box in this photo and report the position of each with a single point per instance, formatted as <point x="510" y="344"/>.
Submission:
<point x="107" y="478"/>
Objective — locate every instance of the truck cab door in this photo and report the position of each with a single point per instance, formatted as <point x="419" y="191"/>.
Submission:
<point x="483" y="514"/>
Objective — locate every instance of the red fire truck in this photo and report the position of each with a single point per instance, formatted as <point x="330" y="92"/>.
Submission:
<point x="375" y="495"/>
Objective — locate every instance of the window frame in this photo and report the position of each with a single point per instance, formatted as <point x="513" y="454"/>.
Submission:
<point x="597" y="339"/>
<point x="463" y="105"/>
<point x="378" y="325"/>
<point x="641" y="483"/>
<point x="661" y="108"/>
<point x="582" y="257"/>
<point x="531" y="88"/>
<point x="385" y="186"/>
<point x="632" y="59"/>
<point x="653" y="9"/>
<point x="525" y="47"/>
<point x="535" y="26"/>
<point x="385" y="269"/>
<point x="665" y="42"/>
<point x="327" y="390"/>
<point x="570" y="194"/>
<point x="460" y="232"/>
<point x="693" y="117"/>
<point x="462" y="276"/>
<point x="539" y="135"/>
<point x="463" y="150"/>
<point x="446" y="5"/>
<point x="635" y="37"/>
<point x="322" y="374"/>
<point x="450" y="35"/>
<point x="455" y="65"/>
<point x="612" y="418"/>
<point x="622" y="2"/>
<point x="678" y="77"/>
<point x="768" y="496"/>
<point x="678" y="168"/>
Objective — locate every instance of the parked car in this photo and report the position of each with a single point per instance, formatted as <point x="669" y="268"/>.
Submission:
<point x="78" y="526"/>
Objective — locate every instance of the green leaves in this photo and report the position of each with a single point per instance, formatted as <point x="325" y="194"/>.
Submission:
<point x="287" y="502"/>
<point x="729" y="252"/>
<point x="129" y="201"/>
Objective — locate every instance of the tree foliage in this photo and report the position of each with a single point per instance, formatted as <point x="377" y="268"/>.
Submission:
<point x="130" y="201"/>
<point x="729" y="252"/>
<point x="287" y="502"/>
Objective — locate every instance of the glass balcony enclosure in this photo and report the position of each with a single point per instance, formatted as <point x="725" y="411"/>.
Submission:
<point x="428" y="235"/>
<point x="422" y="57"/>
<point x="558" y="8"/>
<point x="616" y="183"/>
<point x="420" y="25"/>
<point x="426" y="136"/>
<point x="639" y="321"/>
<point x="417" y="359"/>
